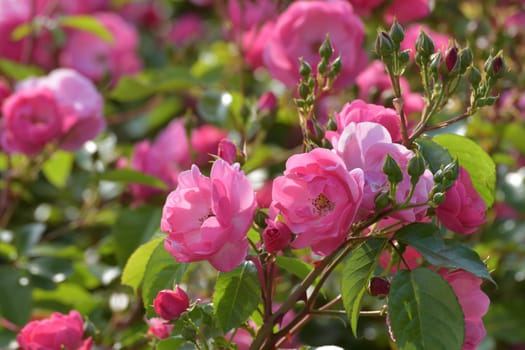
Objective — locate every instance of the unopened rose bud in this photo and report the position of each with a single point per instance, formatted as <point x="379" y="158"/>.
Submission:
<point x="438" y="198"/>
<point x="392" y="170"/>
<point x="304" y="68"/>
<point x="381" y="201"/>
<point x="276" y="236"/>
<point x="227" y="150"/>
<point x="465" y="57"/>
<point x="384" y="45"/>
<point x="451" y="171"/>
<point x="424" y="45"/>
<point x="335" y="67"/>
<point x="396" y="33"/>
<point x="498" y="66"/>
<point x="474" y="77"/>
<point x="326" y="50"/>
<point x="378" y="287"/>
<point x="415" y="168"/>
<point x="170" y="304"/>
<point x="404" y="56"/>
<point x="304" y="90"/>
<point x="452" y="59"/>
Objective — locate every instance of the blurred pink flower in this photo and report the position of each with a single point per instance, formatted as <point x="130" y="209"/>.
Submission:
<point x="57" y="332"/>
<point x="407" y="10"/>
<point x="249" y="14"/>
<point x="227" y="150"/>
<point x="159" y="328"/>
<point x="96" y="58"/>
<point x="205" y="142"/>
<point x="254" y="41"/>
<point x="463" y="210"/>
<point x="318" y="199"/>
<point x="185" y="29"/>
<point x="148" y="14"/>
<point x="301" y="29"/>
<point x="170" y="304"/>
<point x="412" y="32"/>
<point x="207" y="218"/>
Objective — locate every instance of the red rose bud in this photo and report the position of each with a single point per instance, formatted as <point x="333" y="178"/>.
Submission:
<point x="170" y="304"/>
<point x="451" y="58"/>
<point x="498" y="66"/>
<point x="227" y="151"/>
<point x="378" y="286"/>
<point x="276" y="236"/>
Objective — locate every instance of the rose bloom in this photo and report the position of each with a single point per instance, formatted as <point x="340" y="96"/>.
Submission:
<point x="246" y="15"/>
<point x="407" y="10"/>
<point x="463" y="210"/>
<point x="375" y="86"/>
<point x="359" y="111"/>
<point x="301" y="29"/>
<point x="412" y="32"/>
<point x="474" y="303"/>
<point x="318" y="199"/>
<point x="365" y="146"/>
<point x="81" y="103"/>
<point x="170" y="304"/>
<point x="31" y="120"/>
<point x="159" y="328"/>
<point x="205" y="142"/>
<point x="185" y="29"/>
<point x="57" y="332"/>
<point x="96" y="58"/>
<point x="207" y="218"/>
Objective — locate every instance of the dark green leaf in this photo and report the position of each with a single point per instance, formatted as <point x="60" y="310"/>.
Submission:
<point x="293" y="265"/>
<point x="424" y="312"/>
<point x="17" y="71"/>
<point x="71" y="295"/>
<point x="88" y="24"/>
<point x="132" y="176"/>
<point x="28" y="236"/>
<point x="57" y="168"/>
<point x="170" y="344"/>
<point x="237" y="295"/>
<point x="55" y="269"/>
<point x="214" y="106"/>
<point x="439" y="252"/>
<point x="358" y="268"/>
<point x="475" y="160"/>
<point x="15" y="296"/>
<point x="505" y="321"/>
<point x="133" y="227"/>
<point x="434" y="154"/>
<point x="137" y="262"/>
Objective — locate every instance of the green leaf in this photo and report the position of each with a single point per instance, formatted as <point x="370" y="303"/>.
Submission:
<point x="57" y="168"/>
<point x="55" y="269"/>
<point x="69" y="294"/>
<point x="137" y="262"/>
<point x="22" y="31"/>
<point x="475" y="160"/>
<point x="17" y="71"/>
<point x="424" y="312"/>
<point x="88" y="24"/>
<point x="162" y="272"/>
<point x="170" y="344"/>
<point x="28" y="236"/>
<point x="293" y="265"/>
<point x="237" y="295"/>
<point x="133" y="88"/>
<point x="439" y="252"/>
<point x="434" y="154"/>
<point x="133" y="227"/>
<point x="132" y="176"/>
<point x="214" y="106"/>
<point x="358" y="268"/>
<point x="15" y="297"/>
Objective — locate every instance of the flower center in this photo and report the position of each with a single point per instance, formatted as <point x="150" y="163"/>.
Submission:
<point x="322" y="205"/>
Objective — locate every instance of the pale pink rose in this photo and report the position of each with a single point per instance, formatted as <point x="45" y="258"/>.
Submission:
<point x="463" y="210"/>
<point x="96" y="58"/>
<point x="185" y="29"/>
<point x="205" y="142"/>
<point x="163" y="158"/>
<point x="359" y="111"/>
<point x="207" y="218"/>
<point x="159" y="328"/>
<point x="318" y="199"/>
<point x="300" y="30"/>
<point x="412" y="32"/>
<point x="375" y="86"/>
<point x="170" y="304"/>
<point x="407" y="10"/>
<point x="31" y="119"/>
<point x="365" y="146"/>
<point x="81" y="103"/>
<point x="474" y="303"/>
<point x="57" y="332"/>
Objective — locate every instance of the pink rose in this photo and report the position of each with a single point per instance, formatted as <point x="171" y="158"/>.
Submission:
<point x="245" y="15"/>
<point x="365" y="146"/>
<point x="82" y="104"/>
<point x="407" y="10"/>
<point x="375" y="86"/>
<point x="77" y="7"/>
<point x="365" y="6"/>
<point x="227" y="150"/>
<point x="31" y="119"/>
<point x="54" y="333"/>
<point x="463" y="210"/>
<point x="267" y="102"/>
<point x="185" y="29"/>
<point x="207" y="218"/>
<point x="412" y="32"/>
<point x="96" y="58"/>
<point x="170" y="304"/>
<point x="254" y="42"/>
<point x="318" y="199"/>
<point x="276" y="236"/>
<point x="301" y="29"/>
<point x="159" y="328"/>
<point x="359" y="111"/>
<point x="149" y="14"/>
<point x="205" y="141"/>
<point x="474" y="303"/>
<point x="163" y="158"/>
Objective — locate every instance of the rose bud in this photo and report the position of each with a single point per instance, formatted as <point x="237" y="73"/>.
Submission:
<point x="170" y="304"/>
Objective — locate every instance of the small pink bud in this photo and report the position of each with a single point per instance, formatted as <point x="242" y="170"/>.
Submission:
<point x="227" y="150"/>
<point x="451" y="58"/>
<point x="379" y="286"/>
<point x="170" y="304"/>
<point x="276" y="236"/>
<point x="158" y="328"/>
<point x="267" y="102"/>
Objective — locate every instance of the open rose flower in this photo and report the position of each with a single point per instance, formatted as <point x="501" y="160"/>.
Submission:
<point x="463" y="210"/>
<point x="300" y="30"/>
<point x="207" y="218"/>
<point x="318" y="199"/>
<point x="57" y="332"/>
